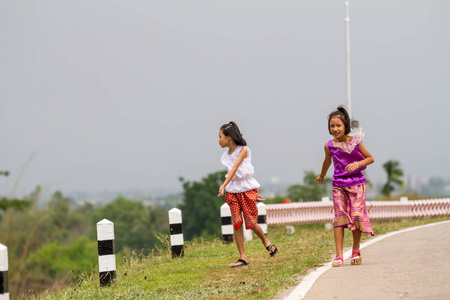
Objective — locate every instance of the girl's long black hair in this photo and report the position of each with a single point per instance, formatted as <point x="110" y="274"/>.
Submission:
<point x="231" y="129"/>
<point x="342" y="113"/>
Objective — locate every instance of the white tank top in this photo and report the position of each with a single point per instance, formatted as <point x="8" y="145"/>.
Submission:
<point x="242" y="180"/>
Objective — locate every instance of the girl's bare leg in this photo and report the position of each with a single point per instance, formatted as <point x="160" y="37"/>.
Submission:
<point x="259" y="232"/>
<point x="339" y="241"/>
<point x="356" y="242"/>
<point x="239" y="238"/>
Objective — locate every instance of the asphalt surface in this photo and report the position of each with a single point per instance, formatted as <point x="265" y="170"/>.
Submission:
<point x="409" y="265"/>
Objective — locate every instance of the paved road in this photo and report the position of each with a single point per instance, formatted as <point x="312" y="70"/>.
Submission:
<point x="409" y="265"/>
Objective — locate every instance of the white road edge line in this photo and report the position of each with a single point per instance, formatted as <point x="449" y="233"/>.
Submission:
<point x="305" y="285"/>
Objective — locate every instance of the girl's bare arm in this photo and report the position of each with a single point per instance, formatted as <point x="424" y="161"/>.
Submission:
<point x="326" y="164"/>
<point x="368" y="159"/>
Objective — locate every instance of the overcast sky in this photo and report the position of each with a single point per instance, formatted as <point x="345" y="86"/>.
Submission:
<point x="120" y="95"/>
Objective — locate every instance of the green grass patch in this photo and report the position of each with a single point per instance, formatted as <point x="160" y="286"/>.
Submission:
<point x="204" y="273"/>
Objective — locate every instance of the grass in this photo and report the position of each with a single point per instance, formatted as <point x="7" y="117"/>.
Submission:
<point x="203" y="272"/>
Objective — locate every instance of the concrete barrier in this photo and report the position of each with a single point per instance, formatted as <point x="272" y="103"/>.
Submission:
<point x="302" y="213"/>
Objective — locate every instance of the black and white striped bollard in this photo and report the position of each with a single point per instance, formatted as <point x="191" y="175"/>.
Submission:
<point x="227" y="226"/>
<point x="4" y="292"/>
<point x="176" y="233"/>
<point x="262" y="212"/>
<point x="106" y="253"/>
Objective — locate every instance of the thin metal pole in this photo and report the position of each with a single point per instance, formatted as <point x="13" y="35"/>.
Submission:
<point x="347" y="29"/>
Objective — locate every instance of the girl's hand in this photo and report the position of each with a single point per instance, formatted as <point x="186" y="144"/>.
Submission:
<point x="351" y="167"/>
<point x="260" y="199"/>
<point x="320" y="179"/>
<point x="221" y="191"/>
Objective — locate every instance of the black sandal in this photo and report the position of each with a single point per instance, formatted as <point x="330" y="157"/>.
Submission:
<point x="239" y="263"/>
<point x="274" y="251"/>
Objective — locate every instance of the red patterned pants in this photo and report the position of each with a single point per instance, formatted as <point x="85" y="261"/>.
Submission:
<point x="243" y="204"/>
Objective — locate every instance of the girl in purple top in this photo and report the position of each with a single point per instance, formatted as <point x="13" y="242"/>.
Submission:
<point x="349" y="157"/>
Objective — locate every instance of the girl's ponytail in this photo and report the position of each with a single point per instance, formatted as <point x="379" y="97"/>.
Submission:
<point x="342" y="113"/>
<point x="231" y="129"/>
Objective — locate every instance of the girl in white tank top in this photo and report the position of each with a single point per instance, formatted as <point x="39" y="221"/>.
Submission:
<point x="240" y="189"/>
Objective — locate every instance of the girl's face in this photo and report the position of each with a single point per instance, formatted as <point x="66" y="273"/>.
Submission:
<point x="337" y="127"/>
<point x="224" y="141"/>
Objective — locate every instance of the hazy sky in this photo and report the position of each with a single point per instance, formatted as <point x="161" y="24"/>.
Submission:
<point x="120" y="95"/>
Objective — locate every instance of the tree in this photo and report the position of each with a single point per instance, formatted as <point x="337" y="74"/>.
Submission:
<point x="310" y="190"/>
<point x="135" y="226"/>
<point x="201" y="208"/>
<point x="394" y="174"/>
<point x="6" y="203"/>
<point x="55" y="259"/>
<point x="17" y="204"/>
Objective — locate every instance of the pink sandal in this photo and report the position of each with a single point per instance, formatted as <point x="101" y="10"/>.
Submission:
<point x="357" y="256"/>
<point x="337" y="262"/>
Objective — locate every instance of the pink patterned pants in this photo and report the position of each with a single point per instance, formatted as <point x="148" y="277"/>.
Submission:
<point x="350" y="208"/>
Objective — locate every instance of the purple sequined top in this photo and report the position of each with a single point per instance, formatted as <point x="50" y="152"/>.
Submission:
<point x="341" y="159"/>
